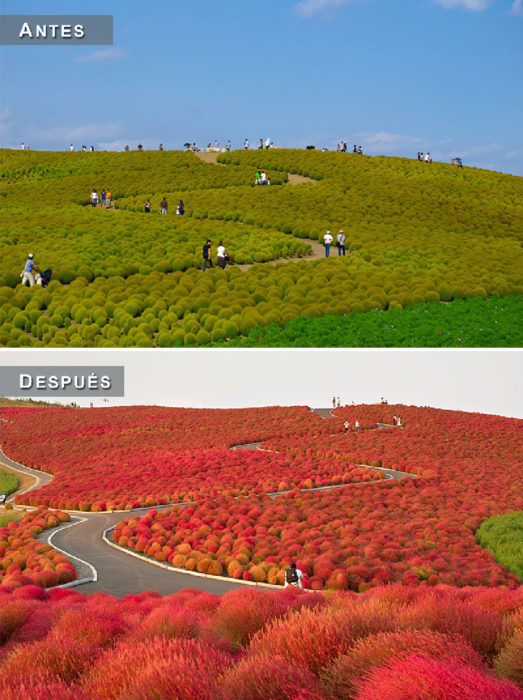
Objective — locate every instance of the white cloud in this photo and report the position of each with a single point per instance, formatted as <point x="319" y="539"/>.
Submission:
<point x="72" y="134"/>
<point x="473" y="5"/>
<point x="386" y="142"/>
<point x="307" y="8"/>
<point x="104" y="56"/>
<point x="517" y="8"/>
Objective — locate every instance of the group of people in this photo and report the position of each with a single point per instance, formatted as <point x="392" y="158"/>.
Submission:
<point x="222" y="258"/>
<point x="396" y="420"/>
<point x="346" y="426"/>
<point x="84" y="148"/>
<point x="343" y="148"/>
<point x="340" y="242"/>
<point x="104" y="199"/>
<point x="164" y="207"/>
<point x="261" y="178"/>
<point x="24" y="146"/>
<point x="32" y="275"/>
<point x="261" y="144"/>
<point x="424" y="158"/>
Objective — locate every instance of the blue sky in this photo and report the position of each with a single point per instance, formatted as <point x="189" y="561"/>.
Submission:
<point x="397" y="76"/>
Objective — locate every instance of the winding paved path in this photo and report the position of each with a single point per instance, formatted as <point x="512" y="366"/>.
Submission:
<point x="109" y="569"/>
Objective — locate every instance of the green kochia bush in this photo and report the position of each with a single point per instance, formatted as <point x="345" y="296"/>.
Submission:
<point x="502" y="535"/>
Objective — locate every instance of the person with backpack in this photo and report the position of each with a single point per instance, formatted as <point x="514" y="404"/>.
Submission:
<point x="340" y="242"/>
<point x="293" y="577"/>
<point x="207" y="260"/>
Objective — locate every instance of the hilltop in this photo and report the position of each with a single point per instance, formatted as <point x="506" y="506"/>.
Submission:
<point x="415" y="234"/>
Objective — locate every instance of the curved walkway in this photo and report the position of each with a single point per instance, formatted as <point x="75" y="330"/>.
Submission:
<point x="103" y="566"/>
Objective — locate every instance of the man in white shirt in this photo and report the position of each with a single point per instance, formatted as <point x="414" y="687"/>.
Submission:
<point x="263" y="178"/>
<point x="327" y="242"/>
<point x="293" y="577"/>
<point x="71" y="147"/>
<point x="220" y="256"/>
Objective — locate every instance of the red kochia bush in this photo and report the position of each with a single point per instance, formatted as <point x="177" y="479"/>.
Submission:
<point x="241" y="613"/>
<point x="157" y="669"/>
<point x="340" y="679"/>
<point x="40" y="686"/>
<point x="416" y="678"/>
<point x="265" y="677"/>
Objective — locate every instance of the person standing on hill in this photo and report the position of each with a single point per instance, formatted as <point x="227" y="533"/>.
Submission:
<point x="103" y="198"/>
<point x="164" y="206"/>
<point x="147" y="206"/>
<point x="333" y="402"/>
<point x="258" y="177"/>
<point x="228" y="146"/>
<point x="346" y="427"/>
<point x="207" y="255"/>
<point x="27" y="274"/>
<point x="340" y="242"/>
<point x="357" y="426"/>
<point x="246" y="144"/>
<point x="327" y="242"/>
<point x="108" y="198"/>
<point x="180" y="209"/>
<point x="293" y="577"/>
<point x="71" y="148"/>
<point x="221" y="256"/>
<point x="94" y="198"/>
<point x="263" y="178"/>
<point x="260" y="145"/>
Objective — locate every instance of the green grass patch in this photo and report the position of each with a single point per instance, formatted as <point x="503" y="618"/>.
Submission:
<point x="8" y="482"/>
<point x="493" y="322"/>
<point x="7" y="518"/>
<point x="502" y="536"/>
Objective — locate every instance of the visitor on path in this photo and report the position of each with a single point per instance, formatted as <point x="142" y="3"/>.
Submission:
<point x="164" y="206"/>
<point x="140" y="147"/>
<point x="94" y="198"/>
<point x="258" y="177"/>
<point x="147" y="206"/>
<point x="263" y="178"/>
<point x="84" y="149"/>
<point x="22" y="146"/>
<point x="399" y="423"/>
<point x="207" y="255"/>
<point x="27" y="274"/>
<point x="260" y="145"/>
<point x="103" y="198"/>
<point x="340" y="242"/>
<point x="327" y="242"/>
<point x="108" y="198"/>
<point x="346" y="427"/>
<point x="428" y="159"/>
<point x="394" y="420"/>
<point x="293" y="577"/>
<point x="71" y="148"/>
<point x="357" y="426"/>
<point x="333" y="402"/>
<point x="360" y="150"/>
<point x="419" y="155"/>
<point x="338" y="403"/>
<point x="267" y="143"/>
<point x="180" y="209"/>
<point x="91" y="148"/>
<point x="246" y="144"/>
<point x="344" y="147"/>
<point x="354" y="150"/>
<point x="160" y="147"/>
<point x="126" y="147"/>
<point x="221" y="256"/>
<point x="228" y="146"/>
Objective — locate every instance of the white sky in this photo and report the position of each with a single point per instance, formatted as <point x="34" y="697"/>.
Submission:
<point x="487" y="381"/>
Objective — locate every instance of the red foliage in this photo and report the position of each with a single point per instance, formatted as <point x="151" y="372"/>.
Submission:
<point x="265" y="677"/>
<point x="430" y="679"/>
<point x="340" y="679"/>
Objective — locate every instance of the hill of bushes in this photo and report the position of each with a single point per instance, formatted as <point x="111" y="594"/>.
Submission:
<point x="415" y="233"/>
